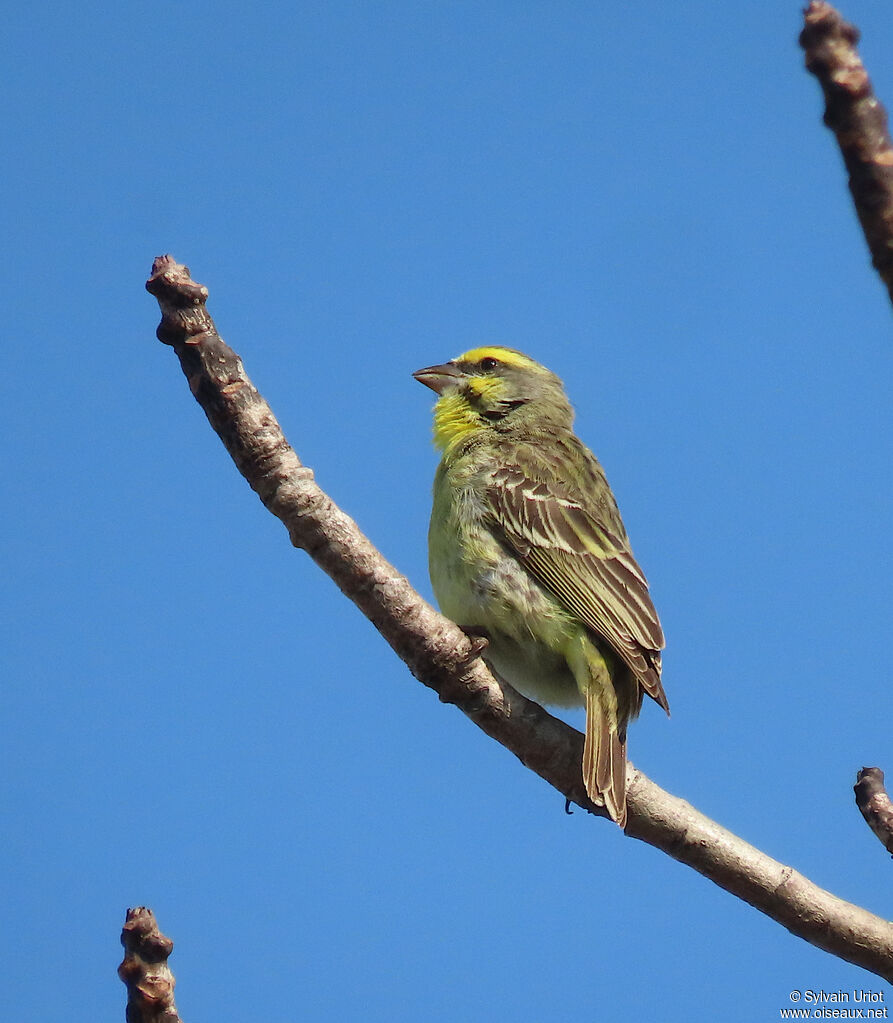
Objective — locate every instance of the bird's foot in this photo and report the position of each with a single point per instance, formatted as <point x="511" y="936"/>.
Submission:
<point x="479" y="637"/>
<point x="570" y="812"/>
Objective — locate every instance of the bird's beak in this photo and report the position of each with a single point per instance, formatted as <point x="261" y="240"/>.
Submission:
<point x="439" y="378"/>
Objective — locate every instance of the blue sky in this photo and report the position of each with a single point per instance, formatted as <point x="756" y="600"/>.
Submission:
<point x="643" y="197"/>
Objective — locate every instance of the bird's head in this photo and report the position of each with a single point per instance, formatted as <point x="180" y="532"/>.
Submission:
<point x="493" y="390"/>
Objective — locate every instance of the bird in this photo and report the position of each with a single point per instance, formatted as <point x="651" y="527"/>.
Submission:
<point x="527" y="551"/>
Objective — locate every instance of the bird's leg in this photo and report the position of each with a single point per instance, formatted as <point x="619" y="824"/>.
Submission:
<point x="480" y="640"/>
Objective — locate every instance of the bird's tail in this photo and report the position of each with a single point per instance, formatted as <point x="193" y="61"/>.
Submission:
<point x="604" y="754"/>
<point x="609" y="694"/>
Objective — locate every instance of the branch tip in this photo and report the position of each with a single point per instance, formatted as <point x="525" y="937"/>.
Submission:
<point x="149" y="981"/>
<point x="875" y="805"/>
<point x="859" y="122"/>
<point x="184" y="319"/>
<point x="822" y="21"/>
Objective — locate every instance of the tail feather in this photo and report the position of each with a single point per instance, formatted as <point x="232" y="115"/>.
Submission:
<point x="612" y="696"/>
<point x="604" y="759"/>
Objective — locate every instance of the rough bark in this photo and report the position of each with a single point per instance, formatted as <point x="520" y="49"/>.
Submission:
<point x="859" y="121"/>
<point x="150" y="983"/>
<point x="875" y="804"/>
<point x="441" y="656"/>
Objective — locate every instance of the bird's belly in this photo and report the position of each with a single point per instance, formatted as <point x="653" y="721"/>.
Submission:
<point x="533" y="670"/>
<point x="479" y="584"/>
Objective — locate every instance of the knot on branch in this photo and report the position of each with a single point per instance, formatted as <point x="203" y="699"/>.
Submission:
<point x="182" y="301"/>
<point x="149" y="981"/>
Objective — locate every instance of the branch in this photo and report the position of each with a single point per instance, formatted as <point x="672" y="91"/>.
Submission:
<point x="441" y="656"/>
<point x="875" y="805"/>
<point x="857" y="118"/>
<point x="150" y="983"/>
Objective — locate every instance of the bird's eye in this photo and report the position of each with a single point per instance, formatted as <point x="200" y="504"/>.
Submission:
<point x="489" y="364"/>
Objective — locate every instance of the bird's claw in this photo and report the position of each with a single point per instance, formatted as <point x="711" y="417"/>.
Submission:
<point x="478" y="638"/>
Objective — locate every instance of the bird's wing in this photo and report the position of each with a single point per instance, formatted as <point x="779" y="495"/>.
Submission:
<point x="584" y="558"/>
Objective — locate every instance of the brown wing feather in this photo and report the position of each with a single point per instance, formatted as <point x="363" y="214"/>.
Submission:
<point x="579" y="550"/>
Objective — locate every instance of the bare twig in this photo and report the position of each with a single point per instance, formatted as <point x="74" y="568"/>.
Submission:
<point x="441" y="656"/>
<point x="875" y="804"/>
<point x="859" y="121"/>
<point x="150" y="983"/>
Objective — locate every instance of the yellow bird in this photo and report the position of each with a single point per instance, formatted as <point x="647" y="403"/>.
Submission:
<point x="527" y="547"/>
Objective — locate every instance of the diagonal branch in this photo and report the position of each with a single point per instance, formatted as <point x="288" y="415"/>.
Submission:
<point x="441" y="656"/>
<point x="857" y="118"/>
<point x="875" y="804"/>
